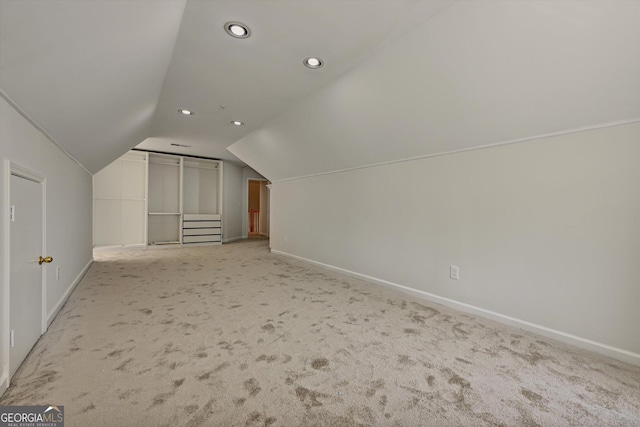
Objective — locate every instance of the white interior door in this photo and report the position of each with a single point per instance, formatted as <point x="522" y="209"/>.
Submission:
<point x="26" y="293"/>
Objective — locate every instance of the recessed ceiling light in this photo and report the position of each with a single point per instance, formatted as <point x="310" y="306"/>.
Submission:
<point x="313" y="62"/>
<point x="237" y="30"/>
<point x="186" y="112"/>
<point x="237" y="122"/>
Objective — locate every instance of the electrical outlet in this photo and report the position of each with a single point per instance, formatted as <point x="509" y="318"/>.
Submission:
<point x="57" y="273"/>
<point x="454" y="272"/>
<point x="11" y="339"/>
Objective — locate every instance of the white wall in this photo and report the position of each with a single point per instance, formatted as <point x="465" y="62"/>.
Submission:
<point x="68" y="209"/>
<point x="89" y="72"/>
<point x="545" y="231"/>
<point x="232" y="202"/>
<point x="264" y="208"/>
<point x="478" y="73"/>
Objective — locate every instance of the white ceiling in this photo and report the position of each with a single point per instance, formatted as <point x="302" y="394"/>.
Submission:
<point x="88" y="72"/>
<point x="403" y="78"/>
<point x="477" y="74"/>
<point x="102" y="76"/>
<point x="257" y="78"/>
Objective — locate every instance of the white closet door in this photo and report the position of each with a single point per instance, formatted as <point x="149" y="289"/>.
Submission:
<point x="119" y="192"/>
<point x="133" y="180"/>
<point x="107" y="184"/>
<point x="107" y="222"/>
<point x="133" y="216"/>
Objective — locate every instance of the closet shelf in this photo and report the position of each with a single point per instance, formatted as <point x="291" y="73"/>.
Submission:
<point x="126" y="199"/>
<point x="154" y="199"/>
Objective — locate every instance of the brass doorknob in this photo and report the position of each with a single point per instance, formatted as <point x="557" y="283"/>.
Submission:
<point x="46" y="259"/>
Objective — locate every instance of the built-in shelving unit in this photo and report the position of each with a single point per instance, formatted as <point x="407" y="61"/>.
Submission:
<point x="165" y="200"/>
<point x="202" y="202"/>
<point x="201" y="228"/>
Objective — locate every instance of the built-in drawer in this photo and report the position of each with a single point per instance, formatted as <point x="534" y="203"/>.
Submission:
<point x="201" y="217"/>
<point x="200" y="231"/>
<point x="201" y="239"/>
<point x="201" y="224"/>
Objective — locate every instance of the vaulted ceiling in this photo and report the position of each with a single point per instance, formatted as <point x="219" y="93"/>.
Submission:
<point x="89" y="73"/>
<point x="402" y="78"/>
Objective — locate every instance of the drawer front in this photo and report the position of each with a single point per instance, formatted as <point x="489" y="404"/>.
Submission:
<point x="201" y="224"/>
<point x="202" y="217"/>
<point x="201" y="239"/>
<point x="200" y="231"/>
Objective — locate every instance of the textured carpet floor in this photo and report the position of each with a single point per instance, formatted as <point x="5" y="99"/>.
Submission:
<point x="234" y="335"/>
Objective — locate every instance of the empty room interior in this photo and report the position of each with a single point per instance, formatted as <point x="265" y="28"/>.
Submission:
<point x="321" y="213"/>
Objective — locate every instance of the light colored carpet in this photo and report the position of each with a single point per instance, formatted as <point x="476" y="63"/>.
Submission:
<point x="234" y="335"/>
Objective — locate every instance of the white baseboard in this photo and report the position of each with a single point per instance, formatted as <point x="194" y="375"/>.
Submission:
<point x="576" y="341"/>
<point x="119" y="247"/>
<point x="232" y="239"/>
<point x="4" y="383"/>
<point x="53" y="313"/>
<point x="5" y="379"/>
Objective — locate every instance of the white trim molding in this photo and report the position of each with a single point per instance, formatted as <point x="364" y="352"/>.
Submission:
<point x="12" y="168"/>
<point x="4" y="383"/>
<point x="6" y="247"/>
<point x="245" y="205"/>
<point x="576" y="341"/>
<point x="54" y="312"/>
<point x="35" y="124"/>
<point x="462" y="150"/>
<point x="233" y="239"/>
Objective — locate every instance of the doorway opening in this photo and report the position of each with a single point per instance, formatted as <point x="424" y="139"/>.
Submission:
<point x="258" y="214"/>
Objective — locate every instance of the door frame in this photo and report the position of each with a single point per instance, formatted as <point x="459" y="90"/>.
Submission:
<point x="12" y="168"/>
<point x="245" y="206"/>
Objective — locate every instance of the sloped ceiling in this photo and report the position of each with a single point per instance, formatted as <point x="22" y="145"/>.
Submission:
<point x="257" y="78"/>
<point x="478" y="73"/>
<point x="102" y="76"/>
<point x="403" y="78"/>
<point x="89" y="73"/>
